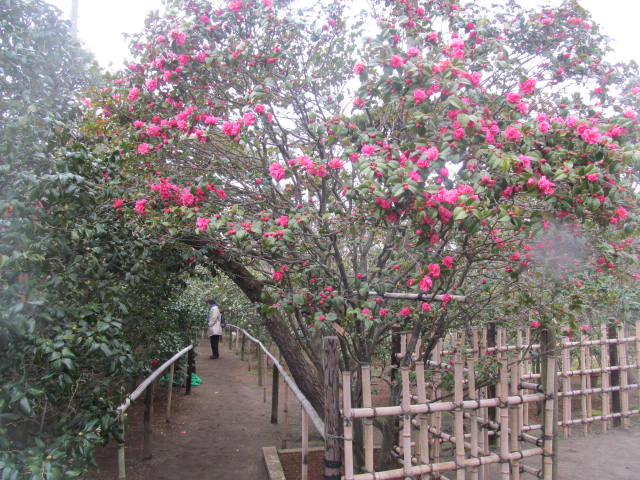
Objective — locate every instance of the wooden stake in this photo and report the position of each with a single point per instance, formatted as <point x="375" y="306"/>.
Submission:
<point x="515" y="411"/>
<point x="395" y="350"/>
<point x="148" y="420"/>
<point x="473" y="395"/>
<point x="583" y="383"/>
<point x="437" y="417"/>
<point x="368" y="421"/>
<point x="614" y="360"/>
<point x="191" y="368"/>
<point x="169" y="393"/>
<point x="305" y="446"/>
<point x="275" y="385"/>
<point x="332" y="457"/>
<point x="122" y="468"/>
<point x="285" y="409"/>
<point x="347" y="426"/>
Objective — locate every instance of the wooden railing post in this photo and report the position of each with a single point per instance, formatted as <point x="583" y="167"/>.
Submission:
<point x="260" y="366"/>
<point x="275" y="384"/>
<point x="191" y="368"/>
<point x="395" y="350"/>
<point x="550" y="422"/>
<point x="122" y="469"/>
<point x="148" y="420"/>
<point x="332" y="454"/>
<point x="170" y="392"/>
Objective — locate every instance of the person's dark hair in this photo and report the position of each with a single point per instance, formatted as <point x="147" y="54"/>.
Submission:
<point x="209" y="300"/>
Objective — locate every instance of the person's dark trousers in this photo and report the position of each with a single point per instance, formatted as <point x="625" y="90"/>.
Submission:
<point x="215" y="339"/>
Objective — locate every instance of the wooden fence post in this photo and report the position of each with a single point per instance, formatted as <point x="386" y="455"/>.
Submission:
<point x="191" y="368"/>
<point x="305" y="446"/>
<point x="148" y="420"/>
<point x="170" y="392"/>
<point x="275" y="384"/>
<point x="260" y="366"/>
<point x="614" y="361"/>
<point x="122" y="469"/>
<point x="332" y="454"/>
<point x="492" y="412"/>
<point x="244" y="339"/>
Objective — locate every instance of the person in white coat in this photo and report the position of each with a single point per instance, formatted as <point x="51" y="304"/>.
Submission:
<point x="214" y="329"/>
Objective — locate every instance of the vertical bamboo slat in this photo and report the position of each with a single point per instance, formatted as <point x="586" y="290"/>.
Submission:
<point x="547" y="348"/>
<point x="148" y="421"/>
<point x="605" y="382"/>
<point x="406" y="426"/>
<point x="275" y="385"/>
<point x="348" y="428"/>
<point x="459" y="413"/>
<point x="260" y="367"/>
<point x="332" y="453"/>
<point x="483" y="441"/>
<point x="638" y="357"/>
<point x="515" y="411"/>
<point x="526" y="368"/>
<point x="473" y="395"/>
<point x="436" y="418"/>
<point x="367" y="422"/>
<point x="624" y="378"/>
<point x="503" y="393"/>
<point x="566" y="388"/>
<point x="423" y="439"/>
<point x="583" y="384"/>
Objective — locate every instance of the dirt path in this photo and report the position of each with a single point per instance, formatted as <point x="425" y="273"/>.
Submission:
<point x="217" y="432"/>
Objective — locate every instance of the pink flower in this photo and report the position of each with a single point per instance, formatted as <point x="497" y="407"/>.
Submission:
<point x="184" y="59"/>
<point x="592" y="177"/>
<point x="117" y="203"/>
<point x="358" y="68"/>
<point x="534" y="324"/>
<point x="413" y="51"/>
<point x="527" y="86"/>
<point x="415" y="176"/>
<point x="513" y="97"/>
<point x="396" y="61"/>
<point x="630" y="114"/>
<point x="153" y="130"/>
<point x="202" y="223"/>
<point x="426" y="283"/>
<point x="276" y="171"/>
<point x="434" y="270"/>
<point x="419" y="95"/>
<point x="447" y="261"/>
<point x="368" y="150"/>
<point x="144" y="148"/>
<point x="140" y="206"/>
<point x="425" y="307"/>
<point x="235" y="6"/>
<point x="259" y="109"/>
<point x="512" y="133"/>
<point x="446" y="298"/>
<point x="283" y="221"/>
<point x="432" y="153"/>
<point x="585" y="328"/>
<point x="544" y="126"/>
<point x="248" y="119"/>
<point x="405" y="312"/>
<point x="336" y="163"/>
<point x="546" y="186"/>
<point x="278" y="275"/>
<point x="591" y="135"/>
<point x="133" y="94"/>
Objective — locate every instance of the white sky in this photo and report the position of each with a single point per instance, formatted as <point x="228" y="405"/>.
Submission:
<point x="101" y="24"/>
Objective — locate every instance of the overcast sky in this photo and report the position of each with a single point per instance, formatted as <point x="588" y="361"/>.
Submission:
<point x="101" y="24"/>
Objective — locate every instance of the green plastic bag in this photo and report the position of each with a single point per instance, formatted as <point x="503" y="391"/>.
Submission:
<point x="195" y="380"/>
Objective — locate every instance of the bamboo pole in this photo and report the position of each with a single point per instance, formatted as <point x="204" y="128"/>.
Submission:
<point x="395" y="350"/>
<point x="605" y="382"/>
<point x="304" y="469"/>
<point x="566" y="387"/>
<point x="423" y="434"/>
<point x="624" y="378"/>
<point x="368" y="422"/>
<point x="548" y="345"/>
<point x="437" y="417"/>
<point x="503" y="389"/>
<point x="169" y="393"/>
<point x="473" y="395"/>
<point x="148" y="421"/>
<point x="515" y="412"/>
<point x="332" y="456"/>
<point x="526" y="369"/>
<point x="483" y="440"/>
<point x="614" y="360"/>
<point x="459" y="413"/>
<point x="583" y="383"/>
<point x="406" y="416"/>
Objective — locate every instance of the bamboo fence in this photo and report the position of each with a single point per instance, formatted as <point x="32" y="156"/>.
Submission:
<point x="451" y="421"/>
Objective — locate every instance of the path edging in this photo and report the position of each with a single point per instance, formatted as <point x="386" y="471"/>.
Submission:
<point x="272" y="462"/>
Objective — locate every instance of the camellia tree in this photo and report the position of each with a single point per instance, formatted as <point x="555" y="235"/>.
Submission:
<point x="413" y="166"/>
